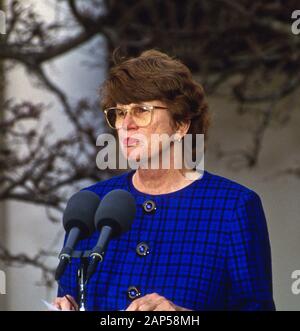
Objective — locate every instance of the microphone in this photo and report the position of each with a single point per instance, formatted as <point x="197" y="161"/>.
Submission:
<point x="78" y="221"/>
<point x="113" y="217"/>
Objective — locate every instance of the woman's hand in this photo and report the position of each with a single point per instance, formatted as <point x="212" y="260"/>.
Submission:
<point x="65" y="303"/>
<point x="153" y="302"/>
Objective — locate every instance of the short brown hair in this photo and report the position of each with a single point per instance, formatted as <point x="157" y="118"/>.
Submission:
<point x="154" y="75"/>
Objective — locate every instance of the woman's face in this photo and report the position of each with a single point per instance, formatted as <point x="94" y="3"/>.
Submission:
<point x="135" y="141"/>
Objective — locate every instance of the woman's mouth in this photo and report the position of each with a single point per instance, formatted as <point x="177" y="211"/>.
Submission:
<point x="129" y="142"/>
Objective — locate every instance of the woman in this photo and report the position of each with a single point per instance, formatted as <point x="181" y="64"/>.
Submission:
<point x="196" y="243"/>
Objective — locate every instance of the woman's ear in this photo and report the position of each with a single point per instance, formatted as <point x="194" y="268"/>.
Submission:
<point x="183" y="127"/>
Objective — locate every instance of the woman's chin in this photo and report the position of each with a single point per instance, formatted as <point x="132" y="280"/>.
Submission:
<point x="136" y="159"/>
<point x="132" y="154"/>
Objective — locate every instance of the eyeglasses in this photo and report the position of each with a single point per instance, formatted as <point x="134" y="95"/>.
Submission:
<point x="141" y="115"/>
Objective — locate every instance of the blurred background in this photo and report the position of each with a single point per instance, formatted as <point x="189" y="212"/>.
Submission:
<point x="54" y="54"/>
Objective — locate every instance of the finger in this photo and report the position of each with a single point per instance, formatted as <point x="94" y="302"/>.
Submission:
<point x="132" y="307"/>
<point x="135" y="303"/>
<point x="65" y="304"/>
<point x="147" y="300"/>
<point x="150" y="305"/>
<point x="56" y="304"/>
<point x="72" y="302"/>
<point x="146" y="303"/>
<point x="147" y="306"/>
<point x="165" y="306"/>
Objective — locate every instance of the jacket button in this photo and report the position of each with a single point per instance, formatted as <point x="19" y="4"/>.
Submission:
<point x="133" y="292"/>
<point x="142" y="249"/>
<point x="149" y="206"/>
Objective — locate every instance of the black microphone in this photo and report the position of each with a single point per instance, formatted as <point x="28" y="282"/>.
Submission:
<point x="78" y="221"/>
<point x="113" y="217"/>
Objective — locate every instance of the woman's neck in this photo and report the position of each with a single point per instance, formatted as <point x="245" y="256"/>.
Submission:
<point x="159" y="181"/>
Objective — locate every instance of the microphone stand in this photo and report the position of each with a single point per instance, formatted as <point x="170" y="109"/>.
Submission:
<point x="81" y="276"/>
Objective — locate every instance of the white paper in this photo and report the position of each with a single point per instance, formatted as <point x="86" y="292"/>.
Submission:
<point x="50" y="306"/>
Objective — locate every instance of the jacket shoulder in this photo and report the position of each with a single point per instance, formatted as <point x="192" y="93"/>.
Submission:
<point x="104" y="186"/>
<point x="228" y="186"/>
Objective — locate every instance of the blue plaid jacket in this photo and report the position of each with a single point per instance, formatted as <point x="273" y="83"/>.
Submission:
<point x="208" y="249"/>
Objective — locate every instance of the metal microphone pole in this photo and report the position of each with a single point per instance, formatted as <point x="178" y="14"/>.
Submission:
<point x="82" y="283"/>
<point x="81" y="276"/>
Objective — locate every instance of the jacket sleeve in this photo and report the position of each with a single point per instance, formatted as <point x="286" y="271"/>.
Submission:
<point x="249" y="257"/>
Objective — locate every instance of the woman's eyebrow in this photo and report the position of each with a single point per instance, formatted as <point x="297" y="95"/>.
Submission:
<point x="133" y="105"/>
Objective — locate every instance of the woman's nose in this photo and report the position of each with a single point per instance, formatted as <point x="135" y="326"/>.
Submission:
<point x="128" y="121"/>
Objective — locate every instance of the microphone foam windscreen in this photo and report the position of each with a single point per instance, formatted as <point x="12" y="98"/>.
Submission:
<point x="117" y="209"/>
<point x="80" y="212"/>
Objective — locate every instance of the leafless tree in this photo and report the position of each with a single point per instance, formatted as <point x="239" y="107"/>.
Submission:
<point x="245" y="48"/>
